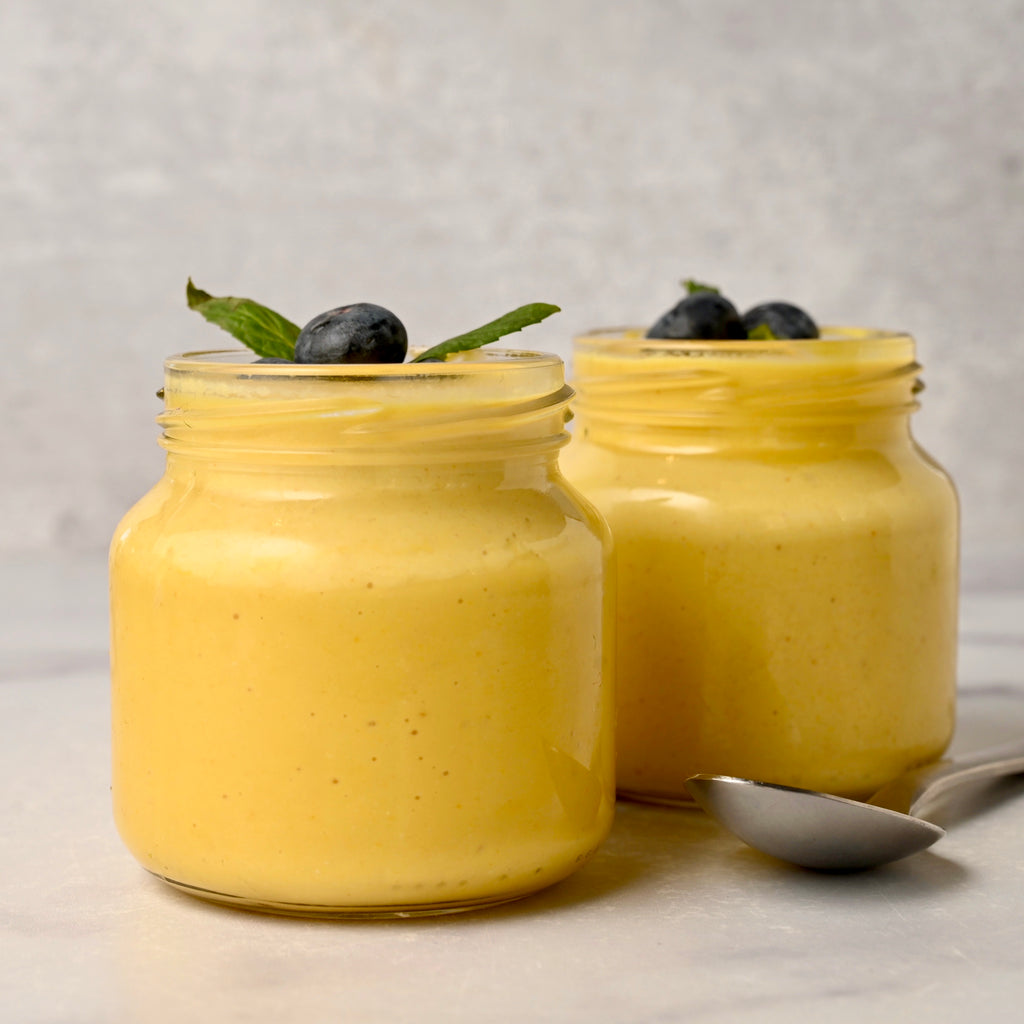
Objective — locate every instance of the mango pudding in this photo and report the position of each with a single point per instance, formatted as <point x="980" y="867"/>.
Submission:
<point x="786" y="557"/>
<point x="358" y="638"/>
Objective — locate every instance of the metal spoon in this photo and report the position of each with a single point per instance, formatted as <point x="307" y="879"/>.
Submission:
<point x="832" y="833"/>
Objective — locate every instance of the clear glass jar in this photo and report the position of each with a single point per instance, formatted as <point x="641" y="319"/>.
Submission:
<point x="786" y="558"/>
<point x="358" y="639"/>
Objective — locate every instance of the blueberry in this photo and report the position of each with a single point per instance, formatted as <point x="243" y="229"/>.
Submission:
<point x="359" y="333"/>
<point x="783" y="319"/>
<point x="702" y="314"/>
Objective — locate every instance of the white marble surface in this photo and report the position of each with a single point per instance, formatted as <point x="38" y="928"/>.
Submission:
<point x="672" y="921"/>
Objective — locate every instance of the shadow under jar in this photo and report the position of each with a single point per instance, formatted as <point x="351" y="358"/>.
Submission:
<point x="786" y="558"/>
<point x="358" y="648"/>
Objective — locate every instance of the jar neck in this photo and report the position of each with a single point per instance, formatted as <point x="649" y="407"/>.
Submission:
<point x="849" y="387"/>
<point x="496" y="406"/>
<point x="271" y="478"/>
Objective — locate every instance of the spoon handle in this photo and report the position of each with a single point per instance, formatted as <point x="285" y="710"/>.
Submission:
<point x="932" y="780"/>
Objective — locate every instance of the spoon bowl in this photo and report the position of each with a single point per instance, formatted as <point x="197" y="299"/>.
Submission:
<point x="812" y="829"/>
<point x="832" y="833"/>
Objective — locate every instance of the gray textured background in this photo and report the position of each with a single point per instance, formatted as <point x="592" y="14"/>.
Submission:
<point x="455" y="158"/>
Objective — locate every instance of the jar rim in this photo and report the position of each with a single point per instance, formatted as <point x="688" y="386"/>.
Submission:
<point x="228" y="363"/>
<point x="847" y="374"/>
<point x="482" y="402"/>
<point x="833" y="339"/>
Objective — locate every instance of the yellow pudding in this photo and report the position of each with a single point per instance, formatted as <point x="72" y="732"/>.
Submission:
<point x="786" y="558"/>
<point x="358" y="639"/>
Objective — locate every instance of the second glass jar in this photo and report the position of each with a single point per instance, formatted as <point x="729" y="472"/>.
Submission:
<point x="786" y="558"/>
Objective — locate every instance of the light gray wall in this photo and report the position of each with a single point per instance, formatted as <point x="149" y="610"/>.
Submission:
<point x="455" y="158"/>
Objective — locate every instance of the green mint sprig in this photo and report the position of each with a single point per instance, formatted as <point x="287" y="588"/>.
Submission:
<point x="524" y="316"/>
<point x="270" y="335"/>
<point x="762" y="332"/>
<point x="267" y="333"/>
<point x="692" y="287"/>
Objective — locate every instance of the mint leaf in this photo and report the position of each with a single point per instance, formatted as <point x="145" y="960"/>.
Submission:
<point x="267" y="333"/>
<point x="762" y="332"/>
<point x="692" y="286"/>
<point x="519" y="318"/>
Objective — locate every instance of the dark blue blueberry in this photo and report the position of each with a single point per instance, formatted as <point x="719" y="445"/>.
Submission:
<point x="704" y="315"/>
<point x="783" y="319"/>
<point x="359" y="333"/>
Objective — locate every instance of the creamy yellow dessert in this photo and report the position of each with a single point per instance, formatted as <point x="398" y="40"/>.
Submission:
<point x="786" y="558"/>
<point x="359" y="661"/>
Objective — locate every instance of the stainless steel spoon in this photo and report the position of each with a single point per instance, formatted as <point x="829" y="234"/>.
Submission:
<point x="832" y="833"/>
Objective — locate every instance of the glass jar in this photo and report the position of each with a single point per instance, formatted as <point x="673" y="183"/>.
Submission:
<point x="358" y="648"/>
<point x="786" y="558"/>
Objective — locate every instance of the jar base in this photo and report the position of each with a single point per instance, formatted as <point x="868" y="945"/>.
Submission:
<point x="664" y="800"/>
<point x="365" y="913"/>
